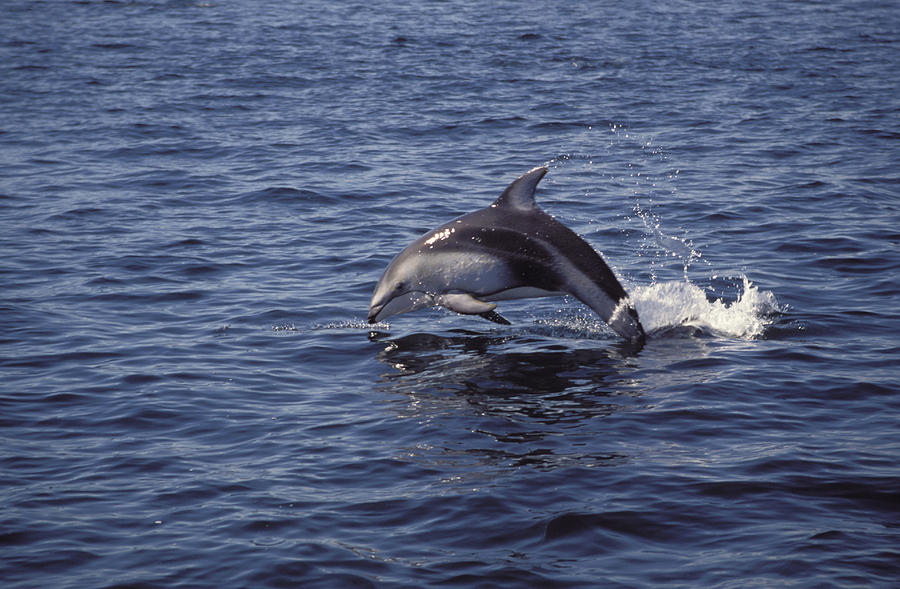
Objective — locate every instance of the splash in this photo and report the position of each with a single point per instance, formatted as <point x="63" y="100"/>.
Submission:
<point x="351" y="324"/>
<point x="666" y="306"/>
<point x="631" y="165"/>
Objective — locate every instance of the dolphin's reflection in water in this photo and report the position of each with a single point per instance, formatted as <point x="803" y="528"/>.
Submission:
<point x="506" y="400"/>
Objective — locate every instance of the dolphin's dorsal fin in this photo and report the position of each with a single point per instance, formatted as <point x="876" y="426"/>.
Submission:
<point x="520" y="194"/>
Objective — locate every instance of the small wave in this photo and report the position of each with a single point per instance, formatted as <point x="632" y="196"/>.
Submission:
<point x="666" y="305"/>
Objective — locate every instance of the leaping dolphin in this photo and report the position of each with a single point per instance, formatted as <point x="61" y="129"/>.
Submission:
<point x="509" y="250"/>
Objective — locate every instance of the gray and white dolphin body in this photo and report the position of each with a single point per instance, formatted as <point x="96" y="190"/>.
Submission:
<point x="509" y="250"/>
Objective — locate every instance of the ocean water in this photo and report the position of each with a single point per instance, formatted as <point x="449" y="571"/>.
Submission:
<point x="197" y="199"/>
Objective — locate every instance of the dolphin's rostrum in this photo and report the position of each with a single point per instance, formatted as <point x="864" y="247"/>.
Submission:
<point x="509" y="250"/>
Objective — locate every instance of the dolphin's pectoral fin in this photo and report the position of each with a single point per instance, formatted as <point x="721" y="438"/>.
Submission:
<point x="495" y="317"/>
<point x="465" y="304"/>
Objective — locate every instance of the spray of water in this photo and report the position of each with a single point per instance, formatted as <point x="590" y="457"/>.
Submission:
<point x="667" y="306"/>
<point x="632" y="162"/>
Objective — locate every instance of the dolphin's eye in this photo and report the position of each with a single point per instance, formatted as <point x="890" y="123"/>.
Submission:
<point x="400" y="286"/>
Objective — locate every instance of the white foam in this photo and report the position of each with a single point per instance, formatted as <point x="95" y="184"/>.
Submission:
<point x="667" y="305"/>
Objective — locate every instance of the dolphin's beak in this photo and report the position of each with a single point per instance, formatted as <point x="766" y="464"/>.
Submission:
<point x="404" y="303"/>
<point x="377" y="307"/>
<point x="378" y="302"/>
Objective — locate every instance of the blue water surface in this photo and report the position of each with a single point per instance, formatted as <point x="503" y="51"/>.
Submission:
<point x="197" y="199"/>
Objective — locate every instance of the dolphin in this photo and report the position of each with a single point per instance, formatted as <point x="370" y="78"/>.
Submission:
<point x="508" y="250"/>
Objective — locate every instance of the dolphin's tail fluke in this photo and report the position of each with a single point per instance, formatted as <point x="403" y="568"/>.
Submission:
<point x="626" y="323"/>
<point x="621" y="315"/>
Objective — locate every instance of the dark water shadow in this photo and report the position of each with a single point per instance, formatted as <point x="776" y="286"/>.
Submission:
<point x="530" y="398"/>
